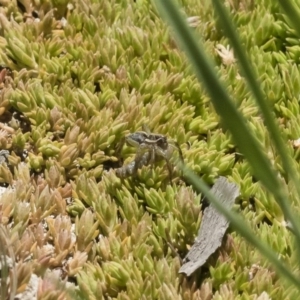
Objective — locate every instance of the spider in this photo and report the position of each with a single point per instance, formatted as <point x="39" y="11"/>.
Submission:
<point x="151" y="147"/>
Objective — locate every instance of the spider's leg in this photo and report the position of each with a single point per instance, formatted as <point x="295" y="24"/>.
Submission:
<point x="142" y="149"/>
<point x="170" y="169"/>
<point x="176" y="146"/>
<point x="166" y="157"/>
<point x="152" y="155"/>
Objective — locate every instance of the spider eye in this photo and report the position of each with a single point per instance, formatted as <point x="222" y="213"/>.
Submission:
<point x="162" y="143"/>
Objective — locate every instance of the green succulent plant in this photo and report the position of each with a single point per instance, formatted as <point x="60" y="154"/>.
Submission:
<point x="76" y="77"/>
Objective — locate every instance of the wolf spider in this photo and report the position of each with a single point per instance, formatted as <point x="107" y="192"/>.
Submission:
<point x="151" y="147"/>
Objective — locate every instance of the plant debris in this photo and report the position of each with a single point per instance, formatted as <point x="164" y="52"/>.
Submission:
<point x="213" y="228"/>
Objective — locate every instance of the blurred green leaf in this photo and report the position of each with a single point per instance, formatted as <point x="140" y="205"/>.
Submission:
<point x="236" y="124"/>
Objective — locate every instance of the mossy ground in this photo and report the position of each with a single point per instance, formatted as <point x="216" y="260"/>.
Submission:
<point x="80" y="75"/>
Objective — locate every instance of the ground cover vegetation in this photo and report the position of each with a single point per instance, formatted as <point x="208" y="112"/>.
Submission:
<point x="76" y="78"/>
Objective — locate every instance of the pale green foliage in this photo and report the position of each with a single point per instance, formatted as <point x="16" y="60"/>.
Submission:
<point x="80" y="88"/>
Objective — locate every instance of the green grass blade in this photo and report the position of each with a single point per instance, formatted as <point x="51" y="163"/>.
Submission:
<point x="248" y="73"/>
<point x="224" y="106"/>
<point x="293" y="13"/>
<point x="241" y="227"/>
